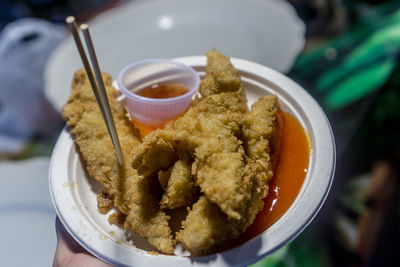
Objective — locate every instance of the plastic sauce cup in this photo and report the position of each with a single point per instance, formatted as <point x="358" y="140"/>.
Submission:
<point x="146" y="73"/>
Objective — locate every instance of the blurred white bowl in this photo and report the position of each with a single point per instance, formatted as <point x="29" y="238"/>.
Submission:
<point x="267" y="32"/>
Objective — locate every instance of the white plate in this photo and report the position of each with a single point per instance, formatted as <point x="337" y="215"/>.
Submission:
<point x="74" y="194"/>
<point x="267" y="32"/>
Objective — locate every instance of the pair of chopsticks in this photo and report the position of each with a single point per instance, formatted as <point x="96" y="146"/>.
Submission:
<point x="98" y="87"/>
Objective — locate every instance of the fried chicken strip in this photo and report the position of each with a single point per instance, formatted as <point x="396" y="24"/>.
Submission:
<point x="219" y="156"/>
<point x="260" y="137"/>
<point x="89" y="131"/>
<point x="145" y="217"/>
<point x="132" y="196"/>
<point x="157" y="151"/>
<point x="206" y="227"/>
<point x="221" y="76"/>
<point x="180" y="190"/>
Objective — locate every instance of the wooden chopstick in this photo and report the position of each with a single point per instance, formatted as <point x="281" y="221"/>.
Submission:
<point x="98" y="88"/>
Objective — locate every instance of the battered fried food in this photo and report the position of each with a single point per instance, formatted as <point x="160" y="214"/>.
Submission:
<point x="216" y="160"/>
<point x="145" y="217"/>
<point x="206" y="227"/>
<point x="211" y="129"/>
<point x="221" y="76"/>
<point x="86" y="124"/>
<point x="208" y="131"/>
<point x="180" y="190"/>
<point x="260" y="140"/>
<point x="212" y="132"/>
<point x="105" y="202"/>
<point x="120" y="182"/>
<point x="157" y="151"/>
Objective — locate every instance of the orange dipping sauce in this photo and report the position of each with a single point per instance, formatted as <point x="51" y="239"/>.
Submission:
<point x="159" y="91"/>
<point x="290" y="172"/>
<point x="163" y="90"/>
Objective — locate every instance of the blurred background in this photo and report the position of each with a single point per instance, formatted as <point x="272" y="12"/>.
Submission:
<point x="347" y="58"/>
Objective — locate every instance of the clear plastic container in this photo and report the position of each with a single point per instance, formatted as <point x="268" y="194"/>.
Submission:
<point x="143" y="74"/>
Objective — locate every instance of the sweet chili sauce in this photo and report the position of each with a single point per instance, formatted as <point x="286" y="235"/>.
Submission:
<point x="290" y="171"/>
<point x="163" y="90"/>
<point x="159" y="91"/>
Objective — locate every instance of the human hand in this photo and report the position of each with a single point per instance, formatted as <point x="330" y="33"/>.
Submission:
<point x="70" y="253"/>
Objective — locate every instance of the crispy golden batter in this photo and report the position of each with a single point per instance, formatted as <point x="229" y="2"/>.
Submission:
<point x="156" y="152"/>
<point x="206" y="227"/>
<point x="210" y="129"/>
<point x="90" y="134"/>
<point x="259" y="134"/>
<point x="86" y="124"/>
<point x="117" y="218"/>
<point x="259" y="128"/>
<point x="217" y="150"/>
<point x="180" y="190"/>
<point x="145" y="217"/>
<point x="105" y="202"/>
<point x="221" y="76"/>
<point x="233" y="177"/>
